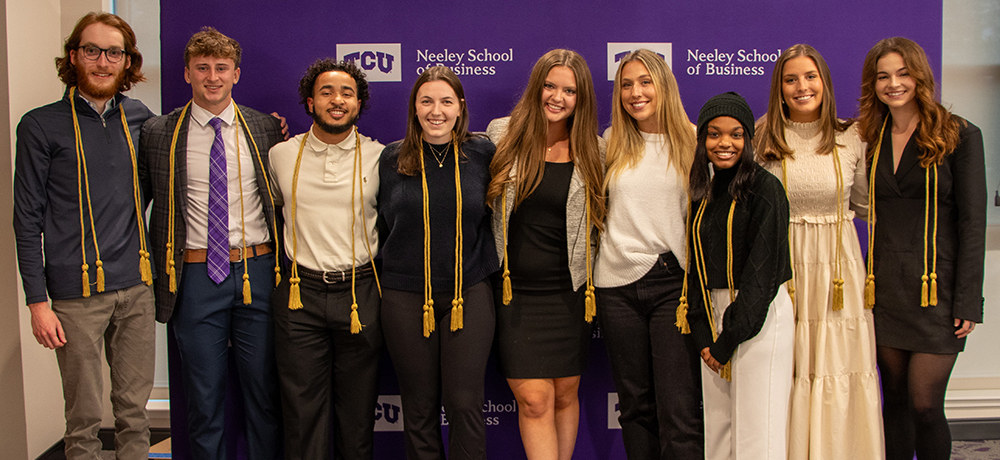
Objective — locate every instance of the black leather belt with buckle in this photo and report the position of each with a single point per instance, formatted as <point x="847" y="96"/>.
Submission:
<point x="336" y="276"/>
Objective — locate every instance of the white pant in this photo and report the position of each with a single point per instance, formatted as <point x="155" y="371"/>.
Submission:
<point x="747" y="419"/>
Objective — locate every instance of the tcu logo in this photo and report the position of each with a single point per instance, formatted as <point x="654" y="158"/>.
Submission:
<point x="617" y="51"/>
<point x="388" y="413"/>
<point x="613" y="412"/>
<point x="380" y="61"/>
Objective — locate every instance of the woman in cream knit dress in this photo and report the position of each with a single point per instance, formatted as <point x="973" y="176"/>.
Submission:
<point x="835" y="408"/>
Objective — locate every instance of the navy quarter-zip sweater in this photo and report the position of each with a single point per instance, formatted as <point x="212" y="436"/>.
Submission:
<point x="46" y="198"/>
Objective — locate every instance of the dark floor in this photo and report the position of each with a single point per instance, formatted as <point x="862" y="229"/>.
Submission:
<point x="961" y="450"/>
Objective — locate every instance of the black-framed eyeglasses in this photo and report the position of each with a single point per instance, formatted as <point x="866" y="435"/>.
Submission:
<point x="93" y="53"/>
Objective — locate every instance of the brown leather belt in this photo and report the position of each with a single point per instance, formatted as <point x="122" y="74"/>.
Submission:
<point x="197" y="256"/>
<point x="336" y="276"/>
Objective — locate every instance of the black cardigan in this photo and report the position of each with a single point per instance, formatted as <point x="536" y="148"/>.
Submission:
<point x="761" y="260"/>
<point x="401" y="227"/>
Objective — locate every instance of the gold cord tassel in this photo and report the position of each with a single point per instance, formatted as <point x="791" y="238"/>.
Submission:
<point x="682" y="313"/>
<point x="791" y="289"/>
<point x="172" y="275"/>
<point x="727" y="371"/>
<point x="294" y="297"/>
<point x="355" y="321"/>
<point x="86" y="280"/>
<point x="247" y="296"/>
<point x="933" y="294"/>
<point x="145" y="270"/>
<point x="924" y="301"/>
<point x="457" y="314"/>
<point x="590" y="304"/>
<point x="277" y="274"/>
<point x="870" y="291"/>
<point x="590" y="300"/>
<point x="429" y="317"/>
<point x="508" y="292"/>
<point x="838" y="294"/>
<point x="100" y="276"/>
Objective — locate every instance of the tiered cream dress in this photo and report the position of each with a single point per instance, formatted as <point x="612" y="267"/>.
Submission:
<point x="835" y="405"/>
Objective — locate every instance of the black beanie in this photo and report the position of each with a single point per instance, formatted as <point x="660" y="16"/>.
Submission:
<point x="727" y="105"/>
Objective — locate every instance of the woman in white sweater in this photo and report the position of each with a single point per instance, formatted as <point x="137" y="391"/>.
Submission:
<point x="638" y="272"/>
<point x="835" y="411"/>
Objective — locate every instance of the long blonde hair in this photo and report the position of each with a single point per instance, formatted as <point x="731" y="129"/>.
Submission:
<point x="523" y="147"/>
<point x="625" y="144"/>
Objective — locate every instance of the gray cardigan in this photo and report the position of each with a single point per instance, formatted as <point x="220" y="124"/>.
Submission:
<point x="576" y="213"/>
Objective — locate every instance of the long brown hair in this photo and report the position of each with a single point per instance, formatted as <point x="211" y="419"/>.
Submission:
<point x="409" y="151"/>
<point x="938" y="132"/>
<point x="770" y="141"/>
<point x="133" y="74"/>
<point x="625" y="144"/>
<point x="523" y="147"/>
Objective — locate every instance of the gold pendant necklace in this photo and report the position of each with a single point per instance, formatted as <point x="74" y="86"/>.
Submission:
<point x="439" y="157"/>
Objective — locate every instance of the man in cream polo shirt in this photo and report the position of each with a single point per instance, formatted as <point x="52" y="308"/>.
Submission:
<point x="326" y="312"/>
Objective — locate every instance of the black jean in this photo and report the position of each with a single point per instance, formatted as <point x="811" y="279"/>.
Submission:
<point x="329" y="377"/>
<point x="446" y="368"/>
<point x="655" y="367"/>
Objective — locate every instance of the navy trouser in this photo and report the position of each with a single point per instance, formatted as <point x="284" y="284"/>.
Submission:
<point x="208" y="318"/>
<point x="655" y="367"/>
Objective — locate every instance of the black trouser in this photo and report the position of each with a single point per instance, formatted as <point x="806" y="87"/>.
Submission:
<point x="318" y="357"/>
<point x="655" y="367"/>
<point x="447" y="367"/>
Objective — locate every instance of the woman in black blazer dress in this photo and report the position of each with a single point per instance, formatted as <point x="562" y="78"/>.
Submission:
<point x="928" y="214"/>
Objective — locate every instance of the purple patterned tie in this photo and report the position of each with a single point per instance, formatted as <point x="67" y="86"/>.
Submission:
<point x="217" y="256"/>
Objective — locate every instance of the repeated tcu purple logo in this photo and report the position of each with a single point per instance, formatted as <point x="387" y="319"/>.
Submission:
<point x="380" y="61"/>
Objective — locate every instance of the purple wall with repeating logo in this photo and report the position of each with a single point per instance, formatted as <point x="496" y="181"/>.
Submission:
<point x="713" y="46"/>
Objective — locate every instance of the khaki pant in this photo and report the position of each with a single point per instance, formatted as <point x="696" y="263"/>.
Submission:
<point x="121" y="322"/>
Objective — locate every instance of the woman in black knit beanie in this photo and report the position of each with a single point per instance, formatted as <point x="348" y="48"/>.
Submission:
<point x="737" y="261"/>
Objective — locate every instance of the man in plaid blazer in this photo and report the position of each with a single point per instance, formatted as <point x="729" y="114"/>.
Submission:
<point x="211" y="302"/>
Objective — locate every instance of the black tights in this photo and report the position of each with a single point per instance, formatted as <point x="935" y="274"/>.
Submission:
<point x="913" y="386"/>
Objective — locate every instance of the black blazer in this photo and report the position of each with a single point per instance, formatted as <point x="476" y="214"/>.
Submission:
<point x="899" y="199"/>
<point x="154" y="174"/>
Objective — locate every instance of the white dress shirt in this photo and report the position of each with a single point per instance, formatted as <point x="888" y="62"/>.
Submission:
<point x="200" y="137"/>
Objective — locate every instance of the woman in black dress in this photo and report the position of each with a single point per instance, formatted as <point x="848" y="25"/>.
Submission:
<point x="928" y="214"/>
<point x="547" y="177"/>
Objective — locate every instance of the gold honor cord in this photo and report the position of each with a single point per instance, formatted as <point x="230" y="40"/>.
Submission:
<point x="590" y="300"/>
<point x="508" y="292"/>
<point x="930" y="298"/>
<point x="294" y="297"/>
<point x="682" y="306"/>
<point x="457" y="303"/>
<point x="790" y="284"/>
<point x="83" y="187"/>
<point x="726" y="371"/>
<point x="294" y="294"/>
<point x="870" y="279"/>
<point x="928" y="294"/>
<point x="171" y="206"/>
<point x="428" y="317"/>
<point x="838" y="280"/>
<point x="171" y="268"/>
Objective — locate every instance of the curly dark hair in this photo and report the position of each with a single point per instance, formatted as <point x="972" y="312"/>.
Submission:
<point x="321" y="66"/>
<point x="133" y="74"/>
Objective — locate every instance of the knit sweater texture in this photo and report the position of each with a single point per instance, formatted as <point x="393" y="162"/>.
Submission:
<point x="401" y="225"/>
<point x="760" y="259"/>
<point x="647" y="209"/>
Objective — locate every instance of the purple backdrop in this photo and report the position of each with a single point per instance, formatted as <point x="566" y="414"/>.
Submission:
<point x="713" y="46"/>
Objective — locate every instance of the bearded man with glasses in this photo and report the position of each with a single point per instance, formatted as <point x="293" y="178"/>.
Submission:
<point x="82" y="242"/>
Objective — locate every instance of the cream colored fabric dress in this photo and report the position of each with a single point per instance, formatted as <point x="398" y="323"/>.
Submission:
<point x="835" y="406"/>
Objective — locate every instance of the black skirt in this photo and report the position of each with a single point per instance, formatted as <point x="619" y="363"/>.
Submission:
<point x="542" y="335"/>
